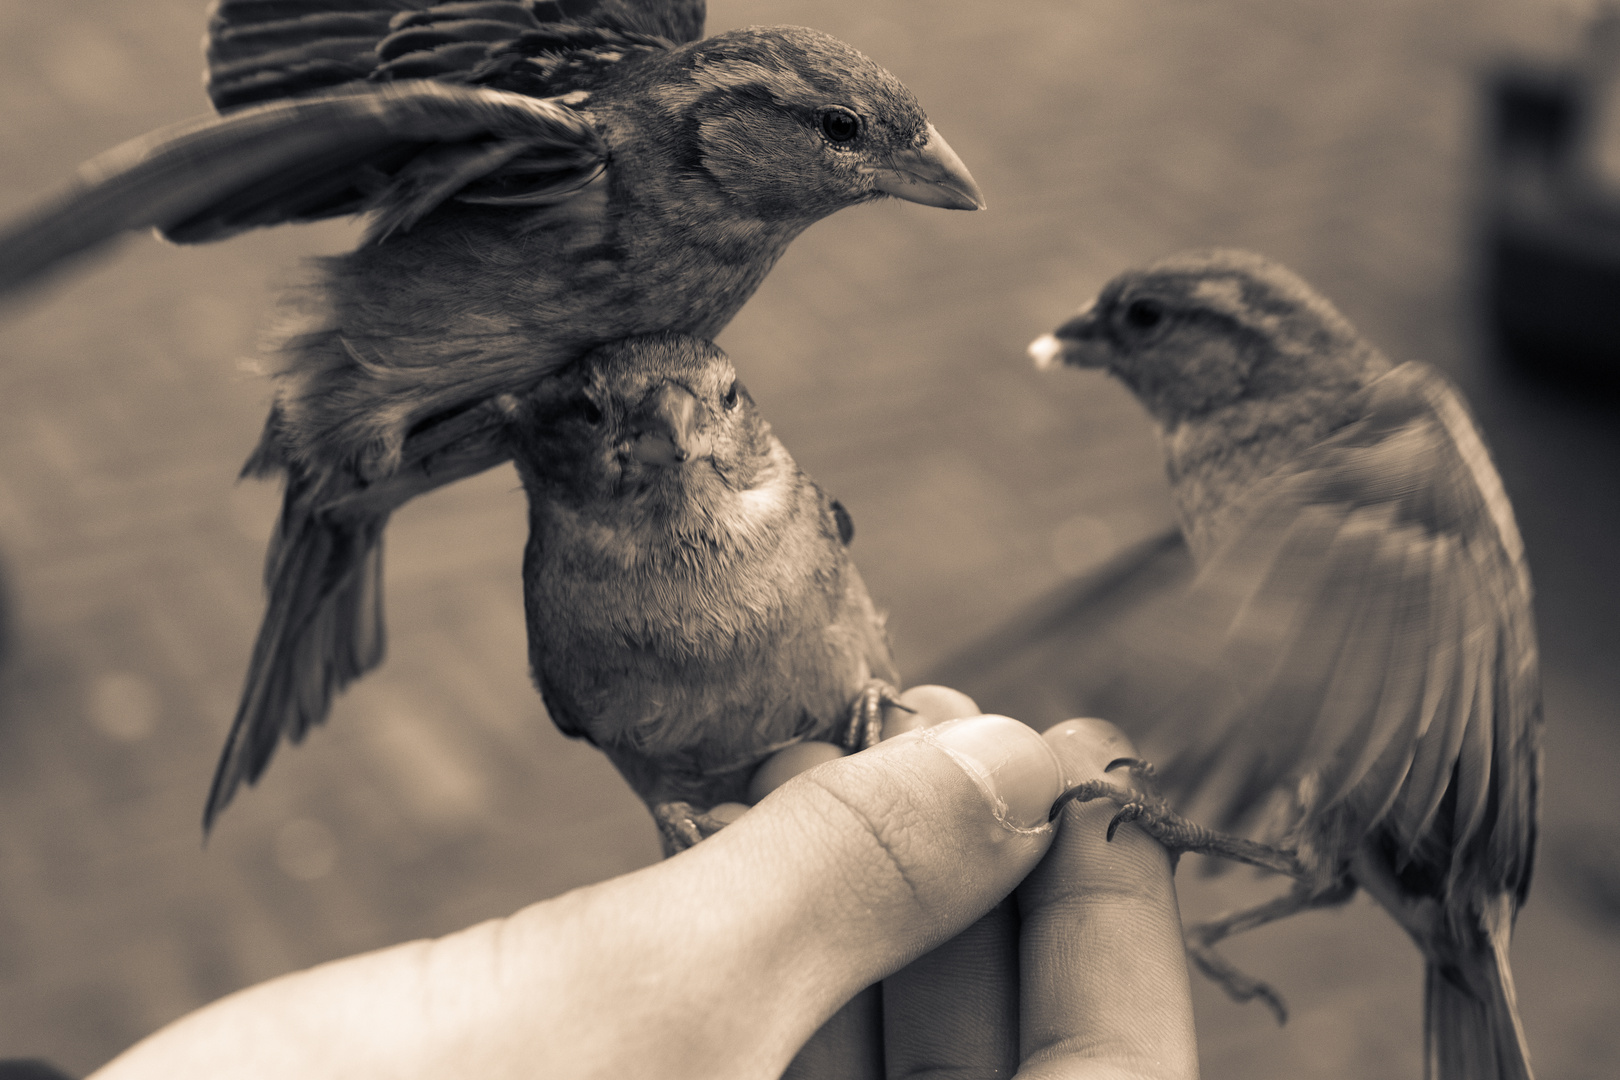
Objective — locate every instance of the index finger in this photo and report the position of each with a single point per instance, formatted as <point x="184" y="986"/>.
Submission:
<point x="1103" y="967"/>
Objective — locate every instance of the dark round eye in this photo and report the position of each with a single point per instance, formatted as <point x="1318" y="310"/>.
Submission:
<point x="588" y="411"/>
<point x="731" y="396"/>
<point x="839" y="125"/>
<point x="1144" y="314"/>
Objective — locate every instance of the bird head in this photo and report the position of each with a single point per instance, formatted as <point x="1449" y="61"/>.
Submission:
<point x="792" y="123"/>
<point x="653" y="420"/>
<point x="1202" y="330"/>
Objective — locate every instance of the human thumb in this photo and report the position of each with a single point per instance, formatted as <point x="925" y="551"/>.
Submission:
<point x="856" y="867"/>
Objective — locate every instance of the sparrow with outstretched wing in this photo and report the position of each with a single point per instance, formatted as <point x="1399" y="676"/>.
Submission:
<point x="1348" y="690"/>
<point x="540" y="178"/>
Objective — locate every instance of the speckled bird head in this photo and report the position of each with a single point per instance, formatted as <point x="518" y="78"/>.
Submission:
<point x="1205" y="329"/>
<point x="792" y="123"/>
<point x="650" y="424"/>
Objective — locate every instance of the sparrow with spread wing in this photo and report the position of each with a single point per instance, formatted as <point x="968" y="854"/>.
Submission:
<point x="541" y="178"/>
<point x="1349" y="689"/>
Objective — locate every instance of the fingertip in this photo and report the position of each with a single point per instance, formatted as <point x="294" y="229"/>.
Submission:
<point x="1085" y="746"/>
<point x="787" y="763"/>
<point x="728" y="812"/>
<point x="1016" y="769"/>
<point x="929" y="704"/>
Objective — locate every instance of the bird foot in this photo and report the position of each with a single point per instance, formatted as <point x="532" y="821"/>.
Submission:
<point x="1149" y="810"/>
<point x="1238" y="986"/>
<point x="682" y="825"/>
<point x="866" y="715"/>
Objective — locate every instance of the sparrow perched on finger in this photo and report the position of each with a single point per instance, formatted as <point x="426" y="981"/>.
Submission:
<point x="541" y="178"/>
<point x="1349" y="689"/>
<point x="691" y="604"/>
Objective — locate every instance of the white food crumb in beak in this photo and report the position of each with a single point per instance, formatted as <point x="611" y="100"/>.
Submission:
<point x="1046" y="351"/>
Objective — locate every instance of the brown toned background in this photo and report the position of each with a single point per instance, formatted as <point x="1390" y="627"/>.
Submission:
<point x="887" y="348"/>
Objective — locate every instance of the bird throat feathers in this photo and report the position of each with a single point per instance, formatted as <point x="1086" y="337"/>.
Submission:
<point x="683" y="520"/>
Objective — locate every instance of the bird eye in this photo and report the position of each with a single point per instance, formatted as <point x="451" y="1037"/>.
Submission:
<point x="1144" y="314"/>
<point x="839" y="125"/>
<point x="731" y="396"/>
<point x="588" y="411"/>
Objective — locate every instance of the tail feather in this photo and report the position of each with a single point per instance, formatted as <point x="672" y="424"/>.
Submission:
<point x="322" y="629"/>
<point x="323" y="625"/>
<point x="1471" y="1035"/>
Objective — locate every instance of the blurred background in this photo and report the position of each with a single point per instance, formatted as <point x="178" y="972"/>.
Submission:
<point x="1348" y="140"/>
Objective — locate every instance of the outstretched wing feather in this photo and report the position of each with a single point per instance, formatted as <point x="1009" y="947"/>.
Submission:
<point x="1414" y="665"/>
<point x="286" y="161"/>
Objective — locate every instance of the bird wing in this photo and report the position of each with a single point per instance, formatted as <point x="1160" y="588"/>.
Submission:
<point x="404" y="146"/>
<point x="381" y="105"/>
<point x="1360" y="648"/>
<point x="261" y="50"/>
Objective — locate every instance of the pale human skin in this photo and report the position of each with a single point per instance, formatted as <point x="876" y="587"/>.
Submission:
<point x="722" y="962"/>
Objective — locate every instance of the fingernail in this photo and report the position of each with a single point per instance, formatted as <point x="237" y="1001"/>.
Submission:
<point x="1085" y="747"/>
<point x="1013" y="766"/>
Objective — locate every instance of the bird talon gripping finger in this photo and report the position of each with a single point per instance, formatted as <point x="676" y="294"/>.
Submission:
<point x="866" y="715"/>
<point x="1129" y="812"/>
<point x="1353" y="673"/>
<point x="1089" y="791"/>
<point x="1142" y="772"/>
<point x="682" y="825"/>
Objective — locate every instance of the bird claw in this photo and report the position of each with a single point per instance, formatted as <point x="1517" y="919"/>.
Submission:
<point x="1238" y="986"/>
<point x="866" y="715"/>
<point x="1143" y="773"/>
<point x="1137" y="803"/>
<point x="1127" y="813"/>
<point x="682" y="825"/>
<point x="1179" y="835"/>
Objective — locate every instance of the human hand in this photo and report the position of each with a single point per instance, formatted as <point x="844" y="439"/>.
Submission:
<point x="1079" y="974"/>
<point x="722" y="961"/>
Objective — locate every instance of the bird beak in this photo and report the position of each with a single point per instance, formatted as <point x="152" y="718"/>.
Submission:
<point x="665" y="428"/>
<point x="931" y="174"/>
<point x="1080" y="342"/>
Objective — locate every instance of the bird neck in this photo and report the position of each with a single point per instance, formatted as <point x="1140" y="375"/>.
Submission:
<point x="654" y="566"/>
<point x="1213" y="460"/>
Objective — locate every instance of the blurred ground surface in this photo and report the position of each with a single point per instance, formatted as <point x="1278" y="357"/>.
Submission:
<point x="887" y="348"/>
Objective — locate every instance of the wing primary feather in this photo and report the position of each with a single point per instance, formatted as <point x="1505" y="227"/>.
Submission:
<point x="435" y="175"/>
<point x="1255" y="592"/>
<point x="1406" y="711"/>
<point x="431" y="35"/>
<point x="1382" y="749"/>
<point x="178" y="175"/>
<point x="1341" y="745"/>
<point x="1447" y="695"/>
<point x="260" y="50"/>
<point x="1475" y="755"/>
<point x="1285" y="717"/>
<point x="1448" y="740"/>
<point x="504" y="12"/>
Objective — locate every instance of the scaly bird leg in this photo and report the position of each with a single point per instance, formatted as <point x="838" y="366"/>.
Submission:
<point x="866" y="714"/>
<point x="1178" y="834"/>
<point x="1239" y="987"/>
